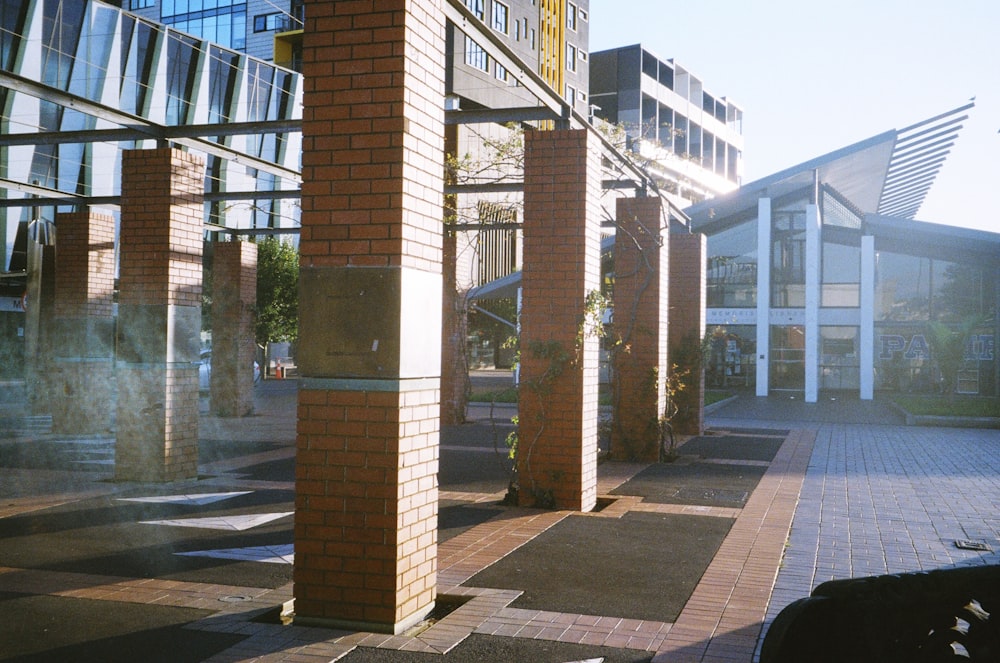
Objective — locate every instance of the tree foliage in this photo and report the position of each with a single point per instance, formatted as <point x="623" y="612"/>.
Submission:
<point x="948" y="345"/>
<point x="277" y="291"/>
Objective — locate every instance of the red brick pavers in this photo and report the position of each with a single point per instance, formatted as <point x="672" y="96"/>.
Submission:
<point x="722" y="620"/>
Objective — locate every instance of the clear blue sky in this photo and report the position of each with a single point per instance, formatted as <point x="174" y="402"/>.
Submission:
<point x="814" y="77"/>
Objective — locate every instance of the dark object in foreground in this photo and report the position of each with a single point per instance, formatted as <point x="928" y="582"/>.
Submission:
<point x="940" y="615"/>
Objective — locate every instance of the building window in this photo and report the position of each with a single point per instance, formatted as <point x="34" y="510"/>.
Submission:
<point x="532" y="36"/>
<point x="476" y="7"/>
<point x="571" y="16"/>
<point x="788" y="259"/>
<point x="226" y="26"/>
<point x="731" y="280"/>
<point x="141" y="4"/>
<point x="501" y="15"/>
<point x="500" y="72"/>
<point x="571" y="94"/>
<point x="496" y="247"/>
<point x="517" y="30"/>
<point x="570" y="57"/>
<point x="267" y="22"/>
<point x="475" y="55"/>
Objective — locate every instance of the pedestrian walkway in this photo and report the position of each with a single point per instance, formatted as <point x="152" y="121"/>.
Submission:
<point x="838" y="499"/>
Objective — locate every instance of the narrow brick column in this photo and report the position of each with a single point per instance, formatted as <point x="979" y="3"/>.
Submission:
<point x="688" y="257"/>
<point x="557" y="398"/>
<point x="83" y="393"/>
<point x="234" y="295"/>
<point x="454" y="364"/>
<point x="640" y="360"/>
<point x="369" y="350"/>
<point x="159" y="315"/>
<point x="454" y="316"/>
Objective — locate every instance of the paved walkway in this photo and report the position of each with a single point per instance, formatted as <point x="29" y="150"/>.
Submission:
<point x="883" y="498"/>
<point x="838" y="500"/>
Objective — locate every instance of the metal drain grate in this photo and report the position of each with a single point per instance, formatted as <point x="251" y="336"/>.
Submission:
<point x="968" y="544"/>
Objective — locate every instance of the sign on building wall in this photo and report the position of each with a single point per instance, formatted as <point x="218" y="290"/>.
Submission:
<point x="977" y="347"/>
<point x="731" y="316"/>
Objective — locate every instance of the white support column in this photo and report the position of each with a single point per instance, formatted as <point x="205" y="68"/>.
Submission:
<point x="763" y="295"/>
<point x="814" y="259"/>
<point x="866" y="337"/>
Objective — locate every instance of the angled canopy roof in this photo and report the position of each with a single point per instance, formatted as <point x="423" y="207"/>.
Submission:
<point x="888" y="174"/>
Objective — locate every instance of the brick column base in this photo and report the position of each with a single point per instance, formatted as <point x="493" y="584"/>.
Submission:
<point x="366" y="505"/>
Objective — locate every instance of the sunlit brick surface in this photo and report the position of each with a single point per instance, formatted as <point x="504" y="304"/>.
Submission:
<point x="372" y="197"/>
<point x="641" y="260"/>
<point x="557" y="452"/>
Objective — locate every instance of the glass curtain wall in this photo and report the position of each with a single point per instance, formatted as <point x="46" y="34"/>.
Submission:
<point x="912" y="291"/>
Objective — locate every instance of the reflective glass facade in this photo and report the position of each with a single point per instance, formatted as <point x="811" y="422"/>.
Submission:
<point x="120" y="64"/>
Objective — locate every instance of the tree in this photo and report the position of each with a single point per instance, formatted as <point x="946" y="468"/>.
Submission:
<point x="948" y="348"/>
<point x="277" y="291"/>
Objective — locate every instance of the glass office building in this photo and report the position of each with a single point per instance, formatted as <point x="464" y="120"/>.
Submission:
<point x="819" y="279"/>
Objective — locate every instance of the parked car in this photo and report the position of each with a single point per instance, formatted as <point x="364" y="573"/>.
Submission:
<point x="205" y="371"/>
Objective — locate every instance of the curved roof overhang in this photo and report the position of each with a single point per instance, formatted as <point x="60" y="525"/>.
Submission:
<point x="888" y="174"/>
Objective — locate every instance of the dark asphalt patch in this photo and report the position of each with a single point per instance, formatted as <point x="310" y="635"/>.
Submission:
<point x="274" y="470"/>
<point x="474" y="471"/>
<point x="496" y="649"/>
<point x="477" y="435"/>
<point x="733" y="447"/>
<point x="104" y="536"/>
<point x="641" y="566"/>
<point x="696" y="484"/>
<point x="210" y="451"/>
<point x="49" y="628"/>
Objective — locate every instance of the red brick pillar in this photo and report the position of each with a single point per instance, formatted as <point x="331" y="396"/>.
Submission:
<point x="369" y="350"/>
<point x="640" y="359"/>
<point x="159" y="315"/>
<point x="83" y="325"/>
<point x="688" y="257"/>
<point x="234" y="296"/>
<point x="454" y="364"/>
<point x="557" y="398"/>
<point x="454" y="317"/>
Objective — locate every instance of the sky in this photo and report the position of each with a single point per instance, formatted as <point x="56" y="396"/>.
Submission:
<point x="814" y="77"/>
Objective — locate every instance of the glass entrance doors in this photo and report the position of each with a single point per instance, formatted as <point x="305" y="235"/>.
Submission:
<point x="788" y="358"/>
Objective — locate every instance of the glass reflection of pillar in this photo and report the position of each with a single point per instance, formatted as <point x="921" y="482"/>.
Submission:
<point x="39" y="258"/>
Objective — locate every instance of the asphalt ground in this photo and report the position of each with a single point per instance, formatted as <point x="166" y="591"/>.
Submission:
<point x="581" y="564"/>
